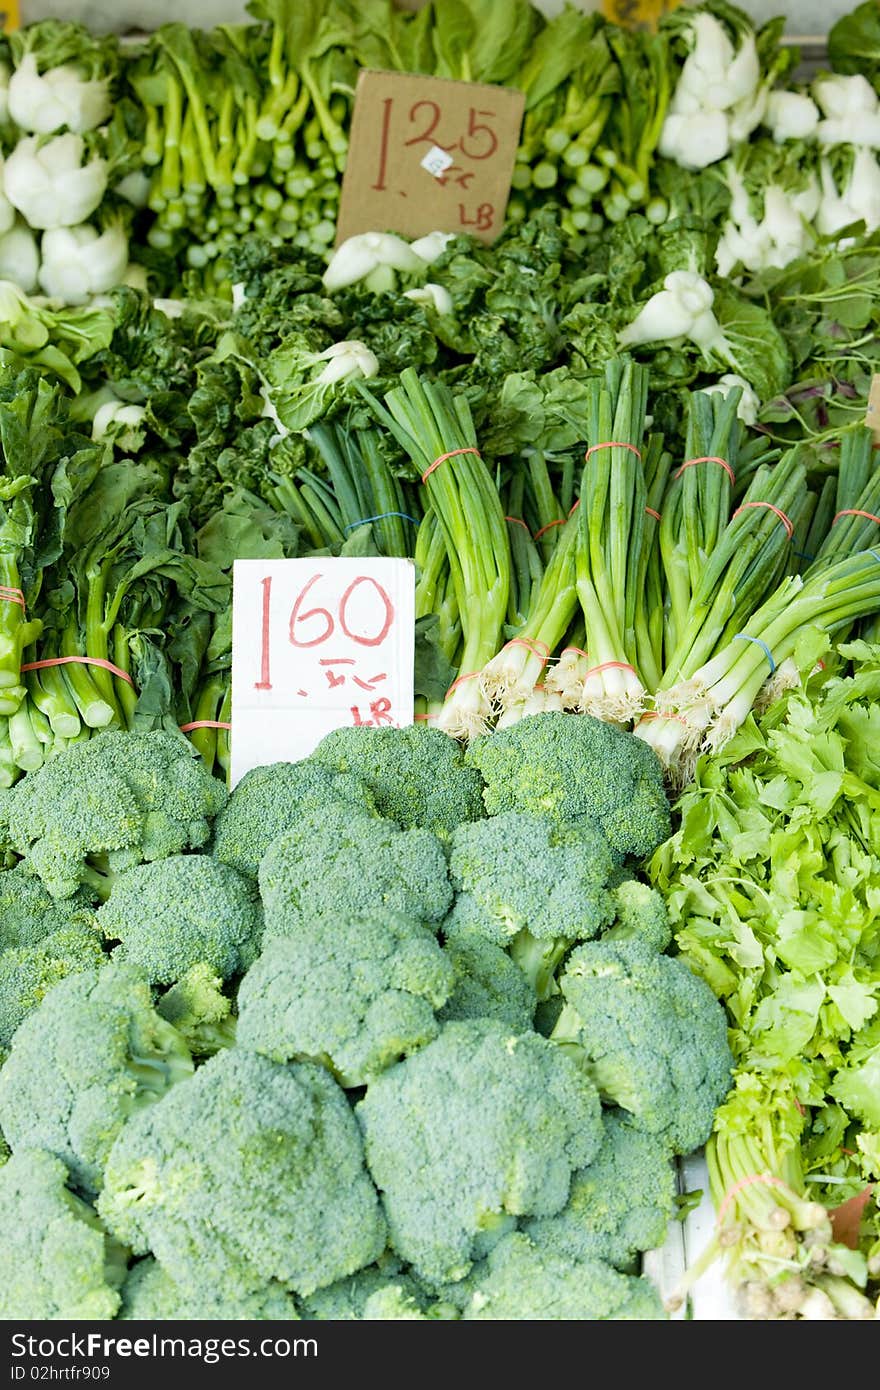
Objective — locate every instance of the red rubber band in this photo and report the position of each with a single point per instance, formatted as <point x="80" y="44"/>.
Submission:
<point x="854" y="511"/>
<point x="468" y="677"/>
<point x="611" y="666"/>
<point x="424" y="716"/>
<point x="204" y="724"/>
<point x="578" y="650"/>
<point x="708" y="458"/>
<point x="770" y="507"/>
<point x="443" y="457"/>
<point x="549" y="527"/>
<point x="657" y="714"/>
<point x="575" y="507"/>
<point x="11" y="596"/>
<point x="79" y="661"/>
<point x="613" y="444"/>
<point x="531" y="645"/>
<point x="517" y="521"/>
<point x="766" y="1179"/>
<point x="655" y="515"/>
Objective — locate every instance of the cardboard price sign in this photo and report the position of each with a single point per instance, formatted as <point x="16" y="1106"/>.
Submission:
<point x="872" y="414"/>
<point x="317" y="644"/>
<point x="427" y="154"/>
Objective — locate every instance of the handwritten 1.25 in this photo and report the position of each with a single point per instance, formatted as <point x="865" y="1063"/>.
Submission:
<point x="314" y="626"/>
<point x="475" y="139"/>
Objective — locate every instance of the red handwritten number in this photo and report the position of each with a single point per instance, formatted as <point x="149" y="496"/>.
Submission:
<point x="265" y="682"/>
<point x="380" y="185"/>
<point x="478" y="130"/>
<point x="430" y="128"/>
<point x="389" y="612"/>
<point x="297" y="617"/>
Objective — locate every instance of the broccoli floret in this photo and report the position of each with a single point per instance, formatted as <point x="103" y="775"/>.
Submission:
<point x="640" y="911"/>
<point x="356" y="994"/>
<point x="488" y="984"/>
<point x="523" y="1281"/>
<point x="93" y="1052"/>
<point x="187" y="908"/>
<point x="417" y="775"/>
<point x="524" y="871"/>
<point x="652" y="1034"/>
<point x="56" y="1259"/>
<point x="27" y="974"/>
<point x="200" y="1011"/>
<point x="476" y="1129"/>
<point x="382" y="1292"/>
<point x="340" y="863"/>
<point x="151" y="1295"/>
<point x="620" y="1204"/>
<point x="566" y="766"/>
<point x="251" y="1170"/>
<point x="271" y="800"/>
<point x="28" y="913"/>
<point x="109" y="803"/>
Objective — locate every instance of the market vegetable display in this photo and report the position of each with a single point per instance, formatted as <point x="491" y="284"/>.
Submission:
<point x="469" y="987"/>
<point x="445" y="1161"/>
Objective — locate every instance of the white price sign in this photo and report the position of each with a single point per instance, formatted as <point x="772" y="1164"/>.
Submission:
<point x="317" y="644"/>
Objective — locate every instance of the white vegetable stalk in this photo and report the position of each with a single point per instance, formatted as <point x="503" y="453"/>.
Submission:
<point x="682" y="309"/>
<point x="466" y="712"/>
<point x="565" y="678"/>
<point x="539" y="701"/>
<point x="121" y="420"/>
<point x="56" y="99"/>
<point x="359" y="257"/>
<point x="432" y="296"/>
<point x="431" y="247"/>
<point x="859" y="201"/>
<point x="851" y="110"/>
<point x="350" y="358"/>
<point x="791" y="116"/>
<point x="20" y="257"/>
<point x="777" y="240"/>
<point x="749" y="403"/>
<point x="719" y="99"/>
<point x="79" y="262"/>
<point x="49" y="184"/>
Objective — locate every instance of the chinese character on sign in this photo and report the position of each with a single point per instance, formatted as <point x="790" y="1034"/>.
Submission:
<point x="318" y="645"/>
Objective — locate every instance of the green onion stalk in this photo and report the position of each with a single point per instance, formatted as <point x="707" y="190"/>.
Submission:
<point x="17" y="630"/>
<point x="610" y="536"/>
<point x="435" y="429"/>
<point x="564" y="678"/>
<point x="777" y="1245"/>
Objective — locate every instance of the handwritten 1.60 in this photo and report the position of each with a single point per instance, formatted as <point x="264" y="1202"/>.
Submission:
<point x="474" y="139"/>
<point x="364" y="616"/>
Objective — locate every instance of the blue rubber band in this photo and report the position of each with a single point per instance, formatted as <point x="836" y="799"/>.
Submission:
<point x="365" y="521"/>
<point x="744" y="637"/>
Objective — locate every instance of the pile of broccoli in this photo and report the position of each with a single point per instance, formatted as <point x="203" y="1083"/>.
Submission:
<point x="387" y="1033"/>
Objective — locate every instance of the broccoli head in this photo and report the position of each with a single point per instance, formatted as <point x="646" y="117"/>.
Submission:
<point x="417" y="775"/>
<point x="652" y="1034"/>
<point x="151" y="1295"/>
<point x="620" y="1204"/>
<point x="251" y="1170"/>
<point x="200" y="1011"/>
<point x="640" y="911"/>
<point x="522" y="871"/>
<point x="56" y="1259"/>
<point x="356" y="994"/>
<point x="93" y="1052"/>
<point x="521" y="1280"/>
<point x="27" y="974"/>
<point x="381" y="1293"/>
<point x="109" y="803"/>
<point x="476" y="1129"/>
<point x="487" y="984"/>
<point x="270" y="800"/>
<point x="169" y="916"/>
<point x="340" y="863"/>
<point x="28" y="912"/>
<point x="566" y="766"/>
